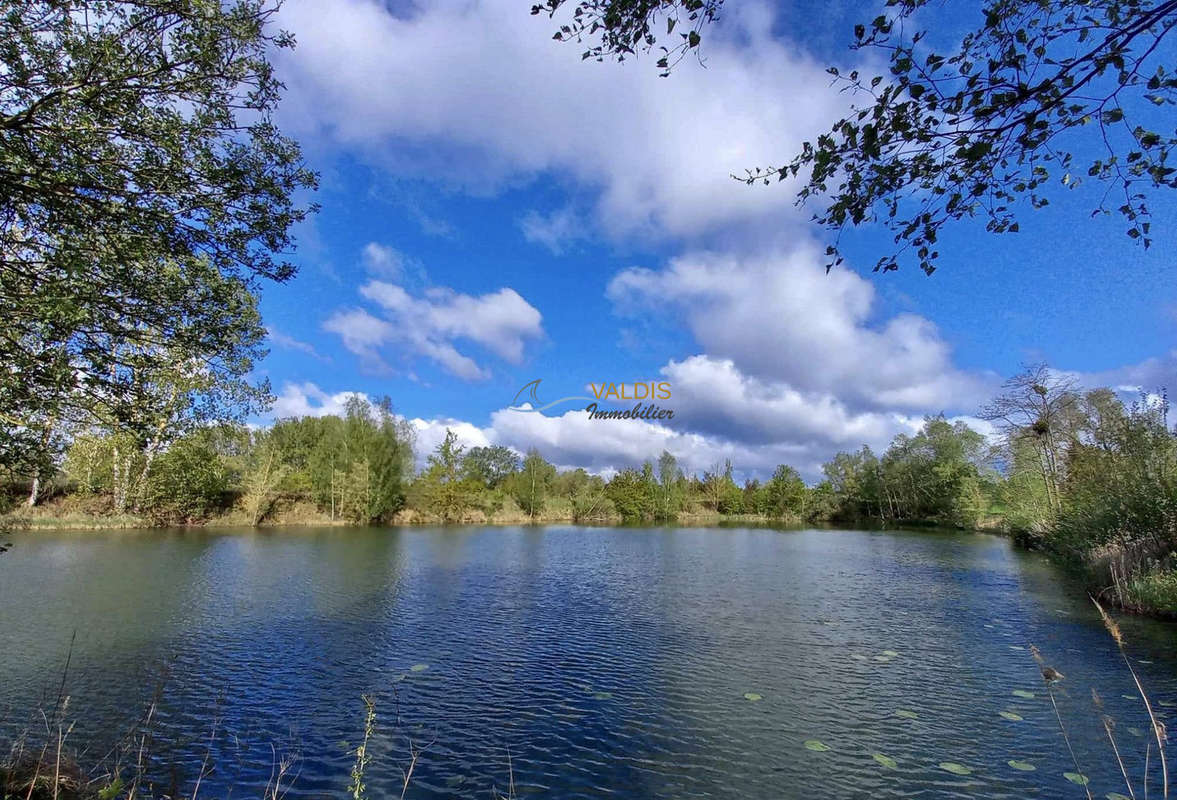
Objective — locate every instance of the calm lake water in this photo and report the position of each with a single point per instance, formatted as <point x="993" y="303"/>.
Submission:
<point x="606" y="662"/>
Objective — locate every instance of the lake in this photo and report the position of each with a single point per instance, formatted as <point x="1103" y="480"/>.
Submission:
<point x="585" y="662"/>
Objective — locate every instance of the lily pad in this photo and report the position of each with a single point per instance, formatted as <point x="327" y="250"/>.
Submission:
<point x="882" y="659"/>
<point x="890" y="653"/>
<point x="603" y="696"/>
<point x="1129" y="697"/>
<point x="886" y="761"/>
<point x="753" y="696"/>
<point x="1016" y="647"/>
<point x="418" y="667"/>
<point x="1023" y="693"/>
<point x="903" y="712"/>
<point x="954" y="768"/>
<point x="858" y="657"/>
<point x="1024" y="766"/>
<point x="1136" y="731"/>
<point x="1011" y="716"/>
<point x="1075" y="777"/>
<point x="816" y="745"/>
<point x="1116" y="796"/>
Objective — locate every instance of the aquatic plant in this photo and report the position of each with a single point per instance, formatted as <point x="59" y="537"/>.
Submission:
<point x="356" y="789"/>
<point x="1052" y="676"/>
<point x="955" y="769"/>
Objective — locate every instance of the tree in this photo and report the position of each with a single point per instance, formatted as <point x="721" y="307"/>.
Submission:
<point x="144" y="194"/>
<point x="670" y="488"/>
<point x="632" y="494"/>
<point x="190" y="481"/>
<point x="532" y="482"/>
<point x="720" y="491"/>
<point x="969" y="132"/>
<point x="621" y="28"/>
<point x="263" y="477"/>
<point x="490" y="466"/>
<point x="1038" y="410"/>
<point x="446" y="492"/>
<point x="785" y="493"/>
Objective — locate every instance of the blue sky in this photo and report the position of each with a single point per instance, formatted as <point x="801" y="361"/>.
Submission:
<point x="495" y="210"/>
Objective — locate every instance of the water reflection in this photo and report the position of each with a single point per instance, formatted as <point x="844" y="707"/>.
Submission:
<point x="603" y="660"/>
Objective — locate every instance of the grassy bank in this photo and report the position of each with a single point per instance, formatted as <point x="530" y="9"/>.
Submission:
<point x="69" y="514"/>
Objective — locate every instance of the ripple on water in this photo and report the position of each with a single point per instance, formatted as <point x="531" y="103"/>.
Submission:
<point x="636" y="663"/>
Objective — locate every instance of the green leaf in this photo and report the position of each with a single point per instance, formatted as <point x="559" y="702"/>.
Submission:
<point x="753" y="696"/>
<point x="886" y="761"/>
<point x="1076" y="777"/>
<point x="954" y="768"/>
<point x="418" y="667"/>
<point x="816" y="745"/>
<point x="906" y="714"/>
<point x="1023" y="766"/>
<point x="1011" y="716"/>
<point x="1023" y="693"/>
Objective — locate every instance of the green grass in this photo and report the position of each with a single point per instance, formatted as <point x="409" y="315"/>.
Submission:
<point x="1154" y="592"/>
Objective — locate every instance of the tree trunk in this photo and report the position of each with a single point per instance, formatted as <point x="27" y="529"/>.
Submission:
<point x="34" y="491"/>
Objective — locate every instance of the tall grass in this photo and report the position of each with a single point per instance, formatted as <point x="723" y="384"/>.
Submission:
<point x="1051" y="676"/>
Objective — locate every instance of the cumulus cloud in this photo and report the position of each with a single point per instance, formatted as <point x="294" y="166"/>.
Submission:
<point x="428" y="91"/>
<point x="780" y="319"/>
<point x="1149" y="375"/>
<point x="288" y="342"/>
<point x="308" y="400"/>
<point x="556" y="231"/>
<point x="427" y="326"/>
<point x="712" y="396"/>
<point x="382" y="260"/>
<point x="792" y="364"/>
<point x="362" y="334"/>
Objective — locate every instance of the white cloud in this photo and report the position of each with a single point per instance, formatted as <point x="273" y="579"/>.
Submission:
<point x="478" y="95"/>
<point x="556" y="231"/>
<point x="308" y="400"/>
<point x="780" y="319"/>
<point x="501" y="322"/>
<point x="792" y="364"/>
<point x="362" y="334"/>
<point x="712" y="396"/>
<point x="288" y="342"/>
<point x="1150" y="375"/>
<point x="384" y="261"/>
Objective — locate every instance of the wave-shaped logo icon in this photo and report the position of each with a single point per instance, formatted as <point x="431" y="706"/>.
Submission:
<point x="533" y="400"/>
